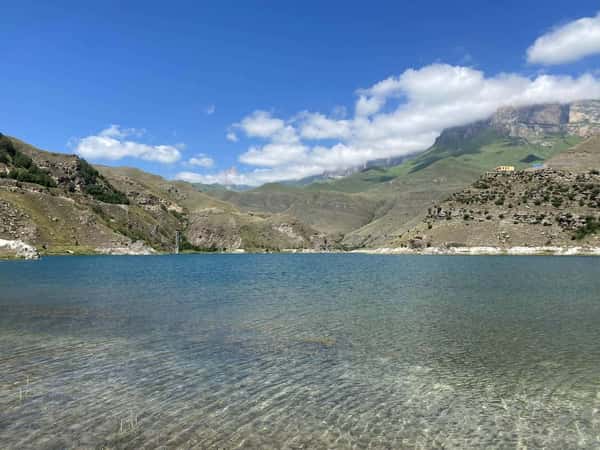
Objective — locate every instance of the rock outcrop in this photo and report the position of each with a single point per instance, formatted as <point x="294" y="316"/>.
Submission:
<point x="532" y="122"/>
<point x="538" y="208"/>
<point x="17" y="249"/>
<point x="578" y="118"/>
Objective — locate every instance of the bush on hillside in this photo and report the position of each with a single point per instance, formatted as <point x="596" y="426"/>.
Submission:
<point x="592" y="226"/>
<point x="106" y="194"/>
<point x="32" y="175"/>
<point x="96" y="185"/>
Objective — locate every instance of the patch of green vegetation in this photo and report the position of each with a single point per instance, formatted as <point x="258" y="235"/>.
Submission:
<point x="22" y="166"/>
<point x="106" y="194"/>
<point x="98" y="187"/>
<point x="453" y="143"/>
<point x="592" y="226"/>
<point x="455" y="158"/>
<point x="32" y="175"/>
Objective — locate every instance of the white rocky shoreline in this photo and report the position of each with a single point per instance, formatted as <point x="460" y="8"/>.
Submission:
<point x="20" y="250"/>
<point x="486" y="250"/>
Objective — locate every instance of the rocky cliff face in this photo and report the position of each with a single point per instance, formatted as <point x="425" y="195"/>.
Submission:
<point x="532" y="123"/>
<point x="579" y="118"/>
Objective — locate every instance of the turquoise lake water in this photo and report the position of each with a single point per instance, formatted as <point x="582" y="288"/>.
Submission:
<point x="300" y="351"/>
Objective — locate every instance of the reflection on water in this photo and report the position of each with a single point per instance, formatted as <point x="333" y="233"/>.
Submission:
<point x="300" y="351"/>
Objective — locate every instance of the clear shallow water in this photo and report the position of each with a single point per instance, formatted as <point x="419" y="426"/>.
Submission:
<point x="300" y="351"/>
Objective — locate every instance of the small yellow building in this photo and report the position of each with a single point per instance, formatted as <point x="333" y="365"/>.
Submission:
<point x="505" y="169"/>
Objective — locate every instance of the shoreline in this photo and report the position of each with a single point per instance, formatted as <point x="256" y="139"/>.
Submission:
<point x="486" y="251"/>
<point x="32" y="254"/>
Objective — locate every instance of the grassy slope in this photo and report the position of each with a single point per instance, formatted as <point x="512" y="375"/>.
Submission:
<point x="67" y="218"/>
<point x="370" y="208"/>
<point x="212" y="223"/>
<point x="373" y="206"/>
<point x="328" y="212"/>
<point x="129" y="180"/>
<point x="483" y="152"/>
<point x="431" y="177"/>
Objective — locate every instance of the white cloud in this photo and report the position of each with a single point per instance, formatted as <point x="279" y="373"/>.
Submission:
<point x="232" y="137"/>
<point x="274" y="154"/>
<point x="227" y="177"/>
<point x="261" y="124"/>
<point x="419" y="104"/>
<point x="210" y="110"/>
<point x="111" y="144"/>
<point x="201" y="160"/>
<point x="115" y="131"/>
<point x="365" y="106"/>
<point x="319" y="126"/>
<point x="567" y="43"/>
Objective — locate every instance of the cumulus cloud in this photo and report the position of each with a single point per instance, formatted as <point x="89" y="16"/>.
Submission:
<point x="228" y="177"/>
<point x="261" y="124"/>
<point x="112" y="144"/>
<point x="397" y="116"/>
<point x="201" y="160"/>
<point x="319" y="126"/>
<point x="567" y="43"/>
<point x="231" y="136"/>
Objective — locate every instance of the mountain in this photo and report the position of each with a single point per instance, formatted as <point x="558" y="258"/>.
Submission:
<point x="60" y="204"/>
<point x="373" y="206"/>
<point x="544" y="207"/>
<point x="556" y="205"/>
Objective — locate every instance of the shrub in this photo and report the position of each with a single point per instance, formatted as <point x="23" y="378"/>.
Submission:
<point x="32" y="175"/>
<point x="591" y="226"/>
<point x="21" y="160"/>
<point x="87" y="172"/>
<point x="97" y="187"/>
<point x="106" y="194"/>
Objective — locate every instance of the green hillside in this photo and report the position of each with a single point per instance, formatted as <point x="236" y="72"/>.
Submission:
<point x="477" y="153"/>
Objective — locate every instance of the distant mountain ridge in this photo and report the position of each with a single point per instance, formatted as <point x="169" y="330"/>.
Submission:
<point x="580" y="118"/>
<point x="61" y="204"/>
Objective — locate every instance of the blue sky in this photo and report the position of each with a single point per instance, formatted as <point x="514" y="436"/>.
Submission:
<point x="284" y="78"/>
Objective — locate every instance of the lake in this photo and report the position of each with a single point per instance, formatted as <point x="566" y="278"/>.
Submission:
<point x="300" y="351"/>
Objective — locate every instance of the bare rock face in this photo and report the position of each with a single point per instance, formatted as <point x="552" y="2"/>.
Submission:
<point x="584" y="118"/>
<point x="17" y="249"/>
<point x="578" y="118"/>
<point x="14" y="223"/>
<point x="531" y="121"/>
